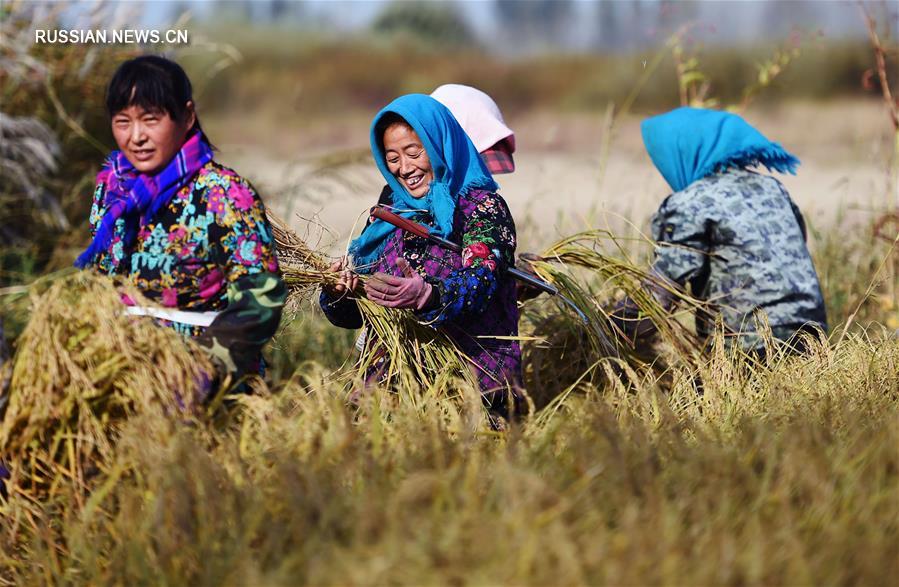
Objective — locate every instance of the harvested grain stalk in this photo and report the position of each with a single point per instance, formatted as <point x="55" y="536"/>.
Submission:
<point x="568" y="353"/>
<point x="612" y="278"/>
<point x="402" y="352"/>
<point x="81" y="368"/>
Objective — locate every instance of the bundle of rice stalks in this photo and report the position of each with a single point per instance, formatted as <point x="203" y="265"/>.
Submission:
<point x="303" y="268"/>
<point x="400" y="351"/>
<point x="570" y="350"/>
<point x="617" y="278"/>
<point x="81" y="368"/>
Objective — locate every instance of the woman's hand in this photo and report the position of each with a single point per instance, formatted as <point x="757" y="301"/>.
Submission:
<point x="410" y="291"/>
<point x="346" y="282"/>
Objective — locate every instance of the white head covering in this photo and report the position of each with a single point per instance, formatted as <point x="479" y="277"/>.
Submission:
<point x="478" y="115"/>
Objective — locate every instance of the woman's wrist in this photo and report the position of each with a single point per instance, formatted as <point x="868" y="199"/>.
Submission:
<point x="333" y="298"/>
<point x="430" y="299"/>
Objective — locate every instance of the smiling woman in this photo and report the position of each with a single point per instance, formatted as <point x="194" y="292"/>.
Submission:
<point x="436" y="177"/>
<point x="406" y="157"/>
<point x="190" y="233"/>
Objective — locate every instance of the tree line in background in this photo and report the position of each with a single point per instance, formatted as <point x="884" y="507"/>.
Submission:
<point x="54" y="129"/>
<point x="515" y="25"/>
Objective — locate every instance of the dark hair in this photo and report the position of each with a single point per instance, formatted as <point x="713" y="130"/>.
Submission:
<point x="385" y="122"/>
<point x="153" y="83"/>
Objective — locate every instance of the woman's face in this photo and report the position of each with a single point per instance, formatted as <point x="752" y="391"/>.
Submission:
<point x="150" y="138"/>
<point x="407" y="159"/>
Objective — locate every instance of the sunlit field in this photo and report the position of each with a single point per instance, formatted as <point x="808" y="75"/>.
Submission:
<point x="678" y="464"/>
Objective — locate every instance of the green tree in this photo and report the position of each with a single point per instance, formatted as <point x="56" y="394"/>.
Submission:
<point x="434" y="23"/>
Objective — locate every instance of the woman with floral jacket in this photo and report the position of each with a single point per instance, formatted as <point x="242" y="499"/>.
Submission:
<point x="436" y="178"/>
<point x="190" y="233"/>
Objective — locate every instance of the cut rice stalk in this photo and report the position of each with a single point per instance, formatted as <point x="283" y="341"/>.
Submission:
<point x="81" y="368"/>
<point x="401" y="351"/>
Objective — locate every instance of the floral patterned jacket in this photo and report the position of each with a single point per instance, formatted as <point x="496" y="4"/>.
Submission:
<point x="209" y="249"/>
<point x="477" y="302"/>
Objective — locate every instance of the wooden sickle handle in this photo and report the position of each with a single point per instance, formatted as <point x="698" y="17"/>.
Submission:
<point x="400" y="222"/>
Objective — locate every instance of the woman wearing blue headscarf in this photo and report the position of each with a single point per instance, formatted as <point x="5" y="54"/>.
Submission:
<point x="733" y="236"/>
<point x="436" y="178"/>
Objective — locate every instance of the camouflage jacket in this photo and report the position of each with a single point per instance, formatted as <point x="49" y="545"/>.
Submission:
<point x="738" y="240"/>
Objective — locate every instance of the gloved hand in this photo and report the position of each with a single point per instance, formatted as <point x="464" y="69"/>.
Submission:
<point x="410" y="291"/>
<point x="347" y="282"/>
<point x="630" y="321"/>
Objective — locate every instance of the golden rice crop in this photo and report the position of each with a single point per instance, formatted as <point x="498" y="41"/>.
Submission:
<point x="401" y="349"/>
<point x="576" y="265"/>
<point x="615" y="277"/>
<point x="782" y="475"/>
<point x="563" y="353"/>
<point x="81" y="368"/>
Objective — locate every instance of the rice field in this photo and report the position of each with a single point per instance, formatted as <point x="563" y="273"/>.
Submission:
<point x="787" y="476"/>
<point x="663" y="466"/>
<point x="678" y="468"/>
<point x="708" y="470"/>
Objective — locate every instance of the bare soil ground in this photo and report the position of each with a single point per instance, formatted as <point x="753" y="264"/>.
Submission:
<point x="322" y="168"/>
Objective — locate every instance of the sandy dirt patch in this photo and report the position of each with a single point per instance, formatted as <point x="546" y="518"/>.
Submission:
<point x="323" y="170"/>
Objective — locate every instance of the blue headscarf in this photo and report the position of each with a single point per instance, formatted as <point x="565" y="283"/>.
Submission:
<point x="456" y="165"/>
<point x="687" y="144"/>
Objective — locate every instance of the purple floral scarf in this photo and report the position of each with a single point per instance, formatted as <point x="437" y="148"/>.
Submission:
<point x="138" y="197"/>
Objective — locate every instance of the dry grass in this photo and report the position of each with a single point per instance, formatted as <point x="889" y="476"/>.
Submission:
<point x="780" y="476"/>
<point x="81" y="368"/>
